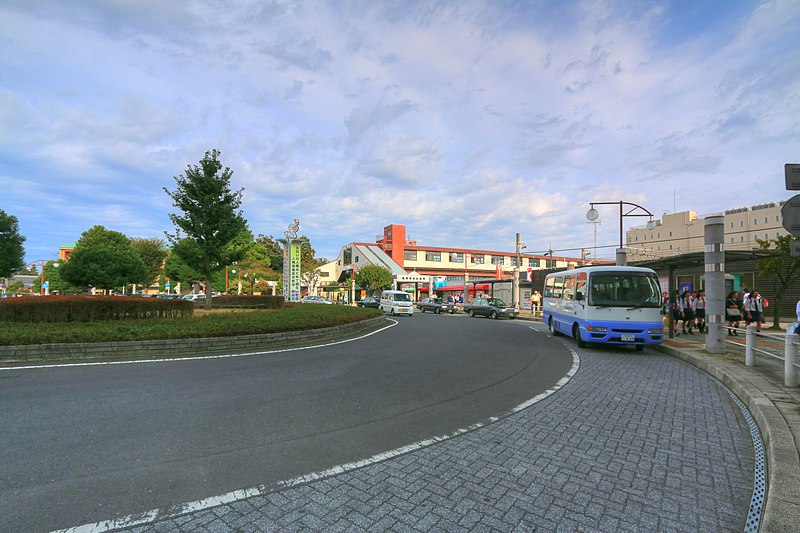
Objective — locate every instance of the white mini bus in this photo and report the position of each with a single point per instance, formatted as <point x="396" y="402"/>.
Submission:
<point x="605" y="304"/>
<point x="396" y="303"/>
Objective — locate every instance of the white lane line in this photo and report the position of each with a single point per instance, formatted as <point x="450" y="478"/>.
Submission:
<point x="200" y="357"/>
<point x="154" y="515"/>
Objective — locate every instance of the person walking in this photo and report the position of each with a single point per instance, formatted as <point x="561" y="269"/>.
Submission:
<point x="733" y="313"/>
<point x="687" y="314"/>
<point x="677" y="311"/>
<point x="699" y="308"/>
<point x="754" y="309"/>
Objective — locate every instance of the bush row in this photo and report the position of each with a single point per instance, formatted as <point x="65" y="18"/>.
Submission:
<point x="245" y="302"/>
<point x="90" y="308"/>
<point x="290" y="318"/>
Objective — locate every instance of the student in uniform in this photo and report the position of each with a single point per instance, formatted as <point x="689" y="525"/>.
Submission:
<point x="699" y="308"/>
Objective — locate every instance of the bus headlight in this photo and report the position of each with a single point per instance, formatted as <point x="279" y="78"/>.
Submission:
<point x="659" y="331"/>
<point x="596" y="329"/>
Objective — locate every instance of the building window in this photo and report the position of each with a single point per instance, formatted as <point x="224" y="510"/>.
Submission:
<point x="741" y="223"/>
<point x="765" y="220"/>
<point x="533" y="262"/>
<point x="433" y="256"/>
<point x="731" y="224"/>
<point x="456" y="257"/>
<point x="476" y="259"/>
<point x="514" y="261"/>
<point x="670" y="234"/>
<point x="637" y="238"/>
<point x="741" y="239"/>
<point x="670" y="247"/>
<point x="755" y="222"/>
<point x="324" y="274"/>
<point x="731" y="239"/>
<point x="410" y="255"/>
<point x="498" y="260"/>
<point x="356" y="260"/>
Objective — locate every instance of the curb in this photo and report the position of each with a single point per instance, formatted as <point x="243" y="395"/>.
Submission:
<point x="782" y="508"/>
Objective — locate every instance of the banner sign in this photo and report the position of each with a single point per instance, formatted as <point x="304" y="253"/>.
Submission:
<point x="291" y="263"/>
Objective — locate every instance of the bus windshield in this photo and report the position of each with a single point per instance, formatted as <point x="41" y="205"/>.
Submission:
<point x="624" y="289"/>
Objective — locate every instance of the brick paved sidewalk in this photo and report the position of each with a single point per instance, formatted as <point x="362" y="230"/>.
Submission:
<point x="634" y="442"/>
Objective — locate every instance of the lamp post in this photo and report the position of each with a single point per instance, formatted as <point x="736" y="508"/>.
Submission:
<point x="233" y="271"/>
<point x="42" y="290"/>
<point x="515" y="284"/>
<point x="592" y="215"/>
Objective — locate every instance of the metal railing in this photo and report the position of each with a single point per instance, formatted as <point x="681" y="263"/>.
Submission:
<point x="789" y="358"/>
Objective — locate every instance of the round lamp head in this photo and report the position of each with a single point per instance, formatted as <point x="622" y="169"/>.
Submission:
<point x="592" y="215"/>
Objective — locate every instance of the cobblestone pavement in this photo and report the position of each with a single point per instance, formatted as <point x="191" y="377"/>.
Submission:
<point x="632" y="443"/>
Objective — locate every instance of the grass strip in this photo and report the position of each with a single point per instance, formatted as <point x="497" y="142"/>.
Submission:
<point x="227" y="324"/>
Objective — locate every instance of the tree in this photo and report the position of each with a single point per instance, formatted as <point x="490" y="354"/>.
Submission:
<point x="374" y="278"/>
<point x="11" y="250"/>
<point x="210" y="214"/>
<point x="782" y="268"/>
<point x="104" y="259"/>
<point x="152" y="252"/>
<point x="273" y="249"/>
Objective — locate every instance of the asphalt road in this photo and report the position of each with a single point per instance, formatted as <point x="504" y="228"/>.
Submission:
<point x="85" y="444"/>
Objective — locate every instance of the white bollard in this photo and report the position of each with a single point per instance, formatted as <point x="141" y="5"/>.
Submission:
<point x="750" y="343"/>
<point x="789" y="370"/>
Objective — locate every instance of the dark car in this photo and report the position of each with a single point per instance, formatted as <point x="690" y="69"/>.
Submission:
<point x="437" y="305"/>
<point x="369" y="301"/>
<point x="491" y="307"/>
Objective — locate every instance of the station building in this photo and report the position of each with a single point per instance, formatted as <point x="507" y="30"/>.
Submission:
<point x="680" y="233"/>
<point x="421" y="269"/>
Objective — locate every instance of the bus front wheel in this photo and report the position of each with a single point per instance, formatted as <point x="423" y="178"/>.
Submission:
<point x="576" y="332"/>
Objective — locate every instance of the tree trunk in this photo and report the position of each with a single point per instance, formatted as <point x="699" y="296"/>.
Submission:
<point x="207" y="271"/>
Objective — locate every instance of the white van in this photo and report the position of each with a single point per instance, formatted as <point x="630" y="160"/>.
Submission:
<point x="396" y="303"/>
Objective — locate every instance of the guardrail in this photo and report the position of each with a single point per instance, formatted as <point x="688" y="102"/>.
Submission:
<point x="789" y="358"/>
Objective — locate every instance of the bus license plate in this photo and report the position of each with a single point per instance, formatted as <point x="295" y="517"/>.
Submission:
<point x="626" y="337"/>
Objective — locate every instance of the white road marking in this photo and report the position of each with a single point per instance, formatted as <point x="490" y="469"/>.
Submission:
<point x="237" y="495"/>
<point x="200" y="357"/>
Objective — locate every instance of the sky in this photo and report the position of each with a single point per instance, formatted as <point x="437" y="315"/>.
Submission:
<point x="467" y="121"/>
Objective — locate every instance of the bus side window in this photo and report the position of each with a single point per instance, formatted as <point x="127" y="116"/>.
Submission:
<point x="558" y="287"/>
<point x="548" y="287"/>
<point x="569" y="288"/>
<point x="580" y="287"/>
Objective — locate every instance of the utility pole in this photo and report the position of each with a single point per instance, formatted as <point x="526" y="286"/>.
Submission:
<point x="515" y="283"/>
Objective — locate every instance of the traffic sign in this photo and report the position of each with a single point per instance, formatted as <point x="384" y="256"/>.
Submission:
<point x="792" y="171"/>
<point x="791" y="215"/>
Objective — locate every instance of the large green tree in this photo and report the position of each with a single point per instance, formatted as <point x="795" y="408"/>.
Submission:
<point x="152" y="252"/>
<point x="11" y="250"/>
<point x="782" y="269"/>
<point x="104" y="259"/>
<point x="373" y="278"/>
<point x="209" y="216"/>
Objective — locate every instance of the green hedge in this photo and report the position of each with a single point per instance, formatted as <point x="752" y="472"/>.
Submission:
<point x="40" y="309"/>
<point x="290" y="318"/>
<point x="244" y="302"/>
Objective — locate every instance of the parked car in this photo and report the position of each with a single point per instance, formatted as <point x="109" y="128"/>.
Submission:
<point x="169" y="296"/>
<point x="491" y="307"/>
<point x="437" y="305"/>
<point x="369" y="301"/>
<point x="314" y="299"/>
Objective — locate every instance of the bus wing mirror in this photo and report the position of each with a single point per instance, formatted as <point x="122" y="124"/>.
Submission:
<point x="579" y="296"/>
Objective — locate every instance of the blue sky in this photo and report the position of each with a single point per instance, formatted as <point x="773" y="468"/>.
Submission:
<point x="465" y="121"/>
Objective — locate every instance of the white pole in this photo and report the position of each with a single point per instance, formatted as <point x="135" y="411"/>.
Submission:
<point x="789" y="370"/>
<point x="750" y="343"/>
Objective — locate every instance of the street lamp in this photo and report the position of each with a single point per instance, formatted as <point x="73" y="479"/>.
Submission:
<point x="42" y="290"/>
<point x="232" y="271"/>
<point x="592" y="215"/>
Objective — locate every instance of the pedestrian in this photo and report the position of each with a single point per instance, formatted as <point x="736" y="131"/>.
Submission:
<point x="536" y="300"/>
<point x="677" y="311"/>
<point x="754" y="309"/>
<point x="699" y="305"/>
<point x="733" y="313"/>
<point x="687" y="316"/>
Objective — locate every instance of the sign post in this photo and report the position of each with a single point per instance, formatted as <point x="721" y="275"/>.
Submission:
<point x="791" y="209"/>
<point x="291" y="262"/>
<point x="792" y="173"/>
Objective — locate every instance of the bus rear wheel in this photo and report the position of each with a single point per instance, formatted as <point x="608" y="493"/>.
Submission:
<point x="576" y="332"/>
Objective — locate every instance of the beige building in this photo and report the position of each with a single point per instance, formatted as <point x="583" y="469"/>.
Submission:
<point x="679" y="233"/>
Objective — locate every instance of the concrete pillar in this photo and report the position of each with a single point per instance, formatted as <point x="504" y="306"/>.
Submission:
<point x="749" y="345"/>
<point x="715" y="283"/>
<point x="622" y="257"/>
<point x="789" y="370"/>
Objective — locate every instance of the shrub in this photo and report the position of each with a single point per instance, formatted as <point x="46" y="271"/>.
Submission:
<point x="245" y="302"/>
<point x="90" y="308"/>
